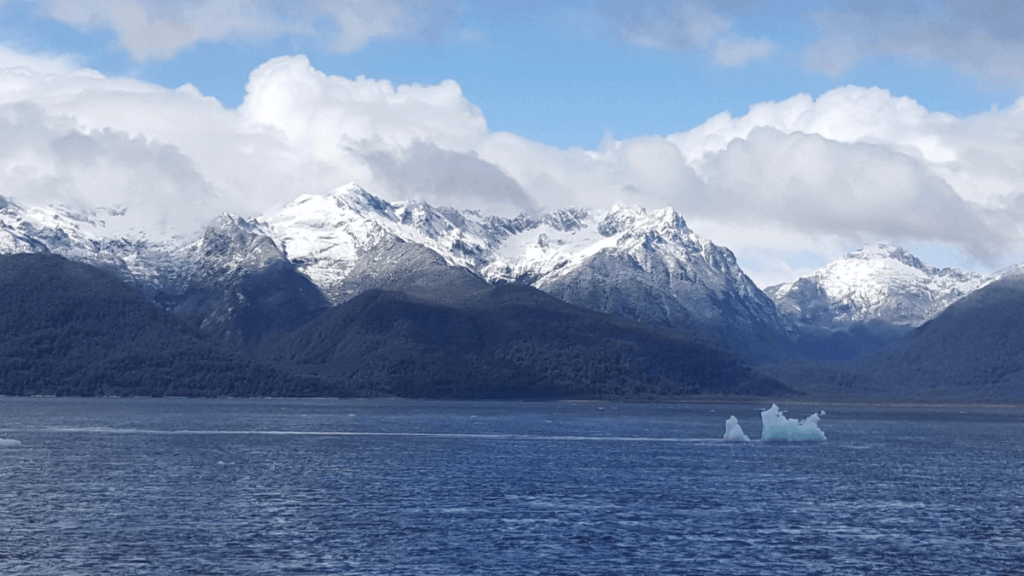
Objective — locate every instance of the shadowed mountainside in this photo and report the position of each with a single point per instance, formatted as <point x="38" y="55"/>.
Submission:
<point x="509" y="341"/>
<point x="67" y="328"/>
<point x="71" y="329"/>
<point x="972" y="350"/>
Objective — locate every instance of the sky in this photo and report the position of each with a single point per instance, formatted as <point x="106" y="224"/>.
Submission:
<point x="790" y="132"/>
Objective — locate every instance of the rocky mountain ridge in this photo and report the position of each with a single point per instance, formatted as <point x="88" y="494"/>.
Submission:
<point x="297" y="260"/>
<point x="878" y="283"/>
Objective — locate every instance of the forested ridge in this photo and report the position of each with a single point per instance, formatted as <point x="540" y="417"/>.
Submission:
<point x="974" y="349"/>
<point x="67" y="328"/>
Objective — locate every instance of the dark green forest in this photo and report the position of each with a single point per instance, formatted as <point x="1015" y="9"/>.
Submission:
<point x="67" y="328"/>
<point x="510" y="341"/>
<point x="973" y="350"/>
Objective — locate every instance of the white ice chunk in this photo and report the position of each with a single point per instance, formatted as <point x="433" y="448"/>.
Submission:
<point x="776" y="427"/>
<point x="4" y="443"/>
<point x="733" y="432"/>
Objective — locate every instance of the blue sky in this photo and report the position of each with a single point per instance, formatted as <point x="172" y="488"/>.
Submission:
<point x="552" y="73"/>
<point x="569" y="102"/>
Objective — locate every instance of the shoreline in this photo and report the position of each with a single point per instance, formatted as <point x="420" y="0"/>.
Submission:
<point x="763" y="401"/>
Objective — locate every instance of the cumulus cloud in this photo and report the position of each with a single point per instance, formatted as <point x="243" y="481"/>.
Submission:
<point x="858" y="164"/>
<point x="649" y="171"/>
<point x="979" y="37"/>
<point x="791" y="177"/>
<point x="92" y="140"/>
<point x="320" y="112"/>
<point x="154" y="30"/>
<point x="47" y="160"/>
<point x="859" y="191"/>
<point x="690" y="25"/>
<point x="446" y="178"/>
<point x="14" y="60"/>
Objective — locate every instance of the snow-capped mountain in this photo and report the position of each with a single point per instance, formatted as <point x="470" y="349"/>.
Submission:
<point x="879" y="282"/>
<point x="232" y="280"/>
<point x="237" y="282"/>
<point x="327" y="236"/>
<point x="83" y="237"/>
<point x="646" y="266"/>
<point x="625" y="261"/>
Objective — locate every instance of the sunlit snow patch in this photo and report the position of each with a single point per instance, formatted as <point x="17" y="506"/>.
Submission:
<point x="733" y="432"/>
<point x="776" y="427"/>
<point x="4" y="443"/>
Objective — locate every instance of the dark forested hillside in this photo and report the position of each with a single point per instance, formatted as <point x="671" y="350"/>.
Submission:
<point x="506" y="342"/>
<point x="71" y="329"/>
<point x="973" y="350"/>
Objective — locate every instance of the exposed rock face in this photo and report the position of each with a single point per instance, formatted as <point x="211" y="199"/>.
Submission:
<point x="879" y="282"/>
<point x="281" y="269"/>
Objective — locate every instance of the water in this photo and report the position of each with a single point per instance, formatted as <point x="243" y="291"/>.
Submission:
<point x="148" y="486"/>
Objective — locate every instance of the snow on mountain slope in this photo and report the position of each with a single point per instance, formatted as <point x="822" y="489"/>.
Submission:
<point x="325" y="236"/>
<point x="647" y="266"/>
<point x="83" y="237"/>
<point x="878" y="282"/>
<point x="625" y="261"/>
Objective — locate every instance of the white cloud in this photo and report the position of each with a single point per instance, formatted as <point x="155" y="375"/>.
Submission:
<point x="801" y="176"/>
<point x="328" y="113"/>
<point x="858" y="165"/>
<point x="446" y="178"/>
<point x="154" y="30"/>
<point x="14" y="60"/>
<point x="46" y="159"/>
<point x="857" y="191"/>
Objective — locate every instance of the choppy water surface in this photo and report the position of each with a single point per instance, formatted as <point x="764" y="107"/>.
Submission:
<point x="140" y="486"/>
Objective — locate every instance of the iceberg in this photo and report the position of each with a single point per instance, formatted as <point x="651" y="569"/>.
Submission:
<point x="776" y="427"/>
<point x="4" y="443"/>
<point x="733" y="432"/>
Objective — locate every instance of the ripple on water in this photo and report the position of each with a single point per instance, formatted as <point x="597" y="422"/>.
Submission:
<point x="522" y="488"/>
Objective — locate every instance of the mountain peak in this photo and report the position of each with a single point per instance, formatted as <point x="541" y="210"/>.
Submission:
<point x="623" y="218"/>
<point x="354" y="197"/>
<point x="877" y="282"/>
<point x="885" y="251"/>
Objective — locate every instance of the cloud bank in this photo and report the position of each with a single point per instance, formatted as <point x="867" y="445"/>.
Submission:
<point x="796" y="176"/>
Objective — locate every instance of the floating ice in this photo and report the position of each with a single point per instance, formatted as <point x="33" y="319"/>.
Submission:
<point x="776" y="427"/>
<point x="4" y="443"/>
<point x="733" y="432"/>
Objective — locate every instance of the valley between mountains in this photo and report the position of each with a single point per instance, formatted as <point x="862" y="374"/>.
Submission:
<point x="346" y="294"/>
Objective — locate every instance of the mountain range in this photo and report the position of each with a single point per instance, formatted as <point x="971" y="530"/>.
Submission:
<point x="267" y="282"/>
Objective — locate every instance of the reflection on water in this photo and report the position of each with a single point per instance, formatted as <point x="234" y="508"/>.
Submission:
<point x="121" y="486"/>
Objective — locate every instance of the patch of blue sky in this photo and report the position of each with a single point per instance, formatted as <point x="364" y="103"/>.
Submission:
<point x="540" y="73"/>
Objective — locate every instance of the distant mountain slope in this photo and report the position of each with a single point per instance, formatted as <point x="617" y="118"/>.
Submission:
<point x="973" y="350"/>
<point x="648" y="267"/>
<point x="237" y="284"/>
<point x="248" y="277"/>
<point x="505" y="342"/>
<point x="867" y="300"/>
<point x="71" y="329"/>
<point x="68" y="328"/>
<point x="975" y="346"/>
<point x="879" y="282"/>
<point x="625" y="261"/>
<point x="233" y="281"/>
